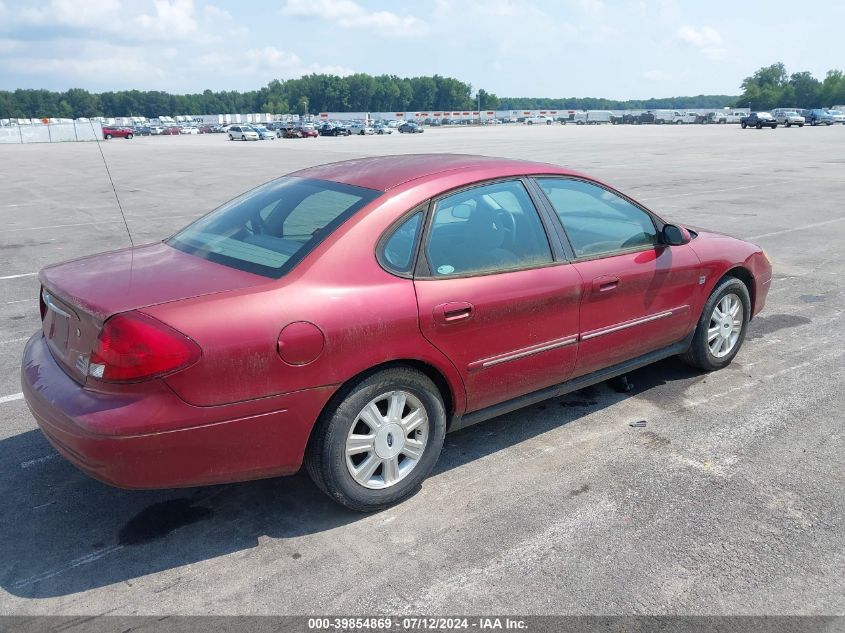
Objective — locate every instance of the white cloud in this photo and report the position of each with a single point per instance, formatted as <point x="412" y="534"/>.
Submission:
<point x="267" y="63"/>
<point x="349" y="14"/>
<point x="656" y="75"/>
<point x="171" y="19"/>
<point x="706" y="39"/>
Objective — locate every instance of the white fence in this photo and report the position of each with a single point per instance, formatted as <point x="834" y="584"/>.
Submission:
<point x="53" y="133"/>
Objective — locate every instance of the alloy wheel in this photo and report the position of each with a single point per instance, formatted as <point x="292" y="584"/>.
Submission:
<point x="387" y="439"/>
<point x="725" y="326"/>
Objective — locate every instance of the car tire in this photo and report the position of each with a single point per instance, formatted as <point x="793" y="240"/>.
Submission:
<point x="130" y="136"/>
<point x="744" y="125"/>
<point x="759" y="126"/>
<point x="231" y="138"/>
<point x="800" y="125"/>
<point x="107" y="136"/>
<point x="326" y="457"/>
<point x="728" y="293"/>
<point x="788" y="124"/>
<point x="775" y="126"/>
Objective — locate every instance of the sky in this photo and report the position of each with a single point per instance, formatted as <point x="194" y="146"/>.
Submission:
<point x="622" y="49"/>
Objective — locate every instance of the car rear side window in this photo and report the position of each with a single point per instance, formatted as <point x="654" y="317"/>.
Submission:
<point x="486" y="229"/>
<point x="270" y="229"/>
<point x="397" y="253"/>
<point x="597" y="221"/>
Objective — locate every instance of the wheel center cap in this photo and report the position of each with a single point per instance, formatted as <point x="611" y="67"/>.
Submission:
<point x="390" y="440"/>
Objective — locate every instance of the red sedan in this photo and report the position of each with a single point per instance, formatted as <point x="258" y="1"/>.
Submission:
<point x="349" y="315"/>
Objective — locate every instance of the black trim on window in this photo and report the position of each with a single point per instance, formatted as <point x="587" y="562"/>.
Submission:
<point x="391" y="230"/>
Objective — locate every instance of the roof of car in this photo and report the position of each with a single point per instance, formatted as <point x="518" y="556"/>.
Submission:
<point x="386" y="172"/>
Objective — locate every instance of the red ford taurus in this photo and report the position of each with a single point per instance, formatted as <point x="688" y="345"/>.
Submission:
<point x="349" y="315"/>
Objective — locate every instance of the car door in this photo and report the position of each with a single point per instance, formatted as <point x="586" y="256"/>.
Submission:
<point x="495" y="295"/>
<point x="637" y="293"/>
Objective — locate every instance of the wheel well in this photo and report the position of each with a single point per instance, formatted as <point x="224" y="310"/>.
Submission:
<point x="745" y="276"/>
<point x="432" y="372"/>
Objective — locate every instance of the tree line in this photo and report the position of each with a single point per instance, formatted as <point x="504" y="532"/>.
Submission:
<point x="772" y="87"/>
<point x="309" y="94"/>
<point x="767" y="88"/>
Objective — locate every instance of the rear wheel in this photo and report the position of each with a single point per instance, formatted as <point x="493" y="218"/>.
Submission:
<point x="130" y="136"/>
<point x="721" y="329"/>
<point x="231" y="138"/>
<point x="379" y="439"/>
<point x="744" y="125"/>
<point x="759" y="126"/>
<point x="107" y="136"/>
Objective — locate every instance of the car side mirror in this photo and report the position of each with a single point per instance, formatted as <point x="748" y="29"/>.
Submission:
<point x="674" y="235"/>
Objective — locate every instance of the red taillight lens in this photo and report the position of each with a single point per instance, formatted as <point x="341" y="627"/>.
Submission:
<point x="134" y="346"/>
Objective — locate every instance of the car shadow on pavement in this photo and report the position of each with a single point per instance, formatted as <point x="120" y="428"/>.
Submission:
<point x="62" y="532"/>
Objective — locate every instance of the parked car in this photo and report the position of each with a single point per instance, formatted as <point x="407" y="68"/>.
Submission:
<point x="110" y="131"/>
<point x="263" y="133"/>
<point x="787" y="117"/>
<point x="819" y="116"/>
<point x="411" y="128"/>
<point x="333" y="129"/>
<point x="308" y="131"/>
<point x="382" y="128"/>
<point x="156" y="130"/>
<point x="758" y="120"/>
<point x="723" y="117"/>
<point x="142" y="130"/>
<point x="265" y="334"/>
<point x="242" y="133"/>
<point x="838" y="116"/>
<point x="361" y="128"/>
<point x="190" y="129"/>
<point x="539" y="120"/>
<point x="667" y="116"/>
<point x="171" y="130"/>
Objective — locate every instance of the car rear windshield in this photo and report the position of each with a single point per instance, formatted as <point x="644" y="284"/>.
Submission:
<point x="270" y="229"/>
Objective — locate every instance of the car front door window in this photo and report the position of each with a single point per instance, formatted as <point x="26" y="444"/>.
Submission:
<point x="486" y="229"/>
<point x="597" y="221"/>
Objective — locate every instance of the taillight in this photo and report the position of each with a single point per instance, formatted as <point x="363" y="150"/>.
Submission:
<point x="134" y="346"/>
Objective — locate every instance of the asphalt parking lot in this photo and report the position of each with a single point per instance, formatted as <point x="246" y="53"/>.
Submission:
<point x="730" y="500"/>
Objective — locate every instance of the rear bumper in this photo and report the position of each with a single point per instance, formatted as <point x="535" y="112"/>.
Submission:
<point x="190" y="446"/>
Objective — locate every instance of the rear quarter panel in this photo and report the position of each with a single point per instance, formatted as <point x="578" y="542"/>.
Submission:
<point x="367" y="317"/>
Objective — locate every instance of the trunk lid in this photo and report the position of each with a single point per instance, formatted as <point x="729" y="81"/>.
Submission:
<point x="78" y="296"/>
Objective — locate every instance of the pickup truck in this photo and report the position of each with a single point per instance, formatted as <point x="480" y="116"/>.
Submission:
<point x="727" y="117"/>
<point x="758" y="120"/>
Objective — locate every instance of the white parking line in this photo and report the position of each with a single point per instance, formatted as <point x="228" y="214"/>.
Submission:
<point x="20" y="301"/>
<point x="703" y="193"/>
<point x="38" y="460"/>
<point x="797" y="228"/>
<point x="131" y="219"/>
<point x="88" y="558"/>
<point x="14" y="340"/>
<point x="17" y="276"/>
<point x="11" y="398"/>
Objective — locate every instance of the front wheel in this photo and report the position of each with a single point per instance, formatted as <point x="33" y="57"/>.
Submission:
<point x="231" y="138"/>
<point x="722" y="326"/>
<point x="759" y="126"/>
<point x="107" y="136"/>
<point x="130" y="136"/>
<point x="744" y="125"/>
<point x="378" y="440"/>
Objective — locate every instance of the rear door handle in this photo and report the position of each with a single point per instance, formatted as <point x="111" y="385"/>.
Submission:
<point x="452" y="312"/>
<point x="605" y="283"/>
